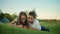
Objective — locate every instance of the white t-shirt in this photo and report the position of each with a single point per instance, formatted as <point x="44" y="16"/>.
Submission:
<point x="35" y="24"/>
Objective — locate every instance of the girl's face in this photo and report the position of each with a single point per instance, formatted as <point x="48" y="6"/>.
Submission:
<point x="23" y="18"/>
<point x="30" y="19"/>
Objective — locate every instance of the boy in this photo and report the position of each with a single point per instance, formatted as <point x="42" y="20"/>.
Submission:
<point x="34" y="23"/>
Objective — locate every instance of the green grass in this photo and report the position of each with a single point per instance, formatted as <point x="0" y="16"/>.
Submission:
<point x="53" y="26"/>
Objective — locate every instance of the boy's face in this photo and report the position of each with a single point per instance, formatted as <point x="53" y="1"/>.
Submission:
<point x="30" y="18"/>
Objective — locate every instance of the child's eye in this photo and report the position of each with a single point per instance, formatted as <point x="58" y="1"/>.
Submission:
<point x="30" y="18"/>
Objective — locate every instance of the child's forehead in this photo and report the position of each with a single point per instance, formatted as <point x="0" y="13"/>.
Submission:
<point x="30" y="16"/>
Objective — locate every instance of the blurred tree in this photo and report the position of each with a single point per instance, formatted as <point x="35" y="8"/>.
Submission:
<point x="2" y="18"/>
<point x="1" y="15"/>
<point x="8" y="16"/>
<point x="13" y="16"/>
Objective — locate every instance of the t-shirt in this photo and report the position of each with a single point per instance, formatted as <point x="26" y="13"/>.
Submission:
<point x="35" y="24"/>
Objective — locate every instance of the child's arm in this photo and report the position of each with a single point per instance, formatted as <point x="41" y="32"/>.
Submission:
<point x="32" y="28"/>
<point x="36" y="26"/>
<point x="13" y="22"/>
<point x="20" y="26"/>
<point x="25" y="26"/>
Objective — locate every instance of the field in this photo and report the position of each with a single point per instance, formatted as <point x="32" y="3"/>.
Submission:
<point x="53" y="26"/>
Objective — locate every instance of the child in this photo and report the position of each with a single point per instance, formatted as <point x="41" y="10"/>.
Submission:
<point x="21" y="20"/>
<point x="34" y="23"/>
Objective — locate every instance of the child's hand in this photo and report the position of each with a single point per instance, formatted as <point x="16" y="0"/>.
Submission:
<point x="33" y="28"/>
<point x="21" y="26"/>
<point x="10" y="24"/>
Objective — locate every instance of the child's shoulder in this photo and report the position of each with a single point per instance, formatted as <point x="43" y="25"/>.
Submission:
<point x="36" y="20"/>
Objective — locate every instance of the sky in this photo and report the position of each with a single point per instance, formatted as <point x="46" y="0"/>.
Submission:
<point x="45" y="9"/>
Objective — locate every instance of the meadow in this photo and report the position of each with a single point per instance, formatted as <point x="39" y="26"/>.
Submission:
<point x="53" y="26"/>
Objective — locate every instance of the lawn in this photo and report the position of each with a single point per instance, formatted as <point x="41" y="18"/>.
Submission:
<point x="53" y="26"/>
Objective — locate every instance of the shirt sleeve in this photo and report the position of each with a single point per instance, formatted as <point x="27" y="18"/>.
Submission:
<point x="16" y="20"/>
<point x="37" y="25"/>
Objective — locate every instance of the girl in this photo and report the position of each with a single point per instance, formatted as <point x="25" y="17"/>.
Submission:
<point x="20" y="21"/>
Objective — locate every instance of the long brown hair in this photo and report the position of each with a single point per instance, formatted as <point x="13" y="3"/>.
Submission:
<point x="19" y="19"/>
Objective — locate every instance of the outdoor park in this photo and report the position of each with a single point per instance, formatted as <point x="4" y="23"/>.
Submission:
<point x="48" y="16"/>
<point x="5" y="28"/>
